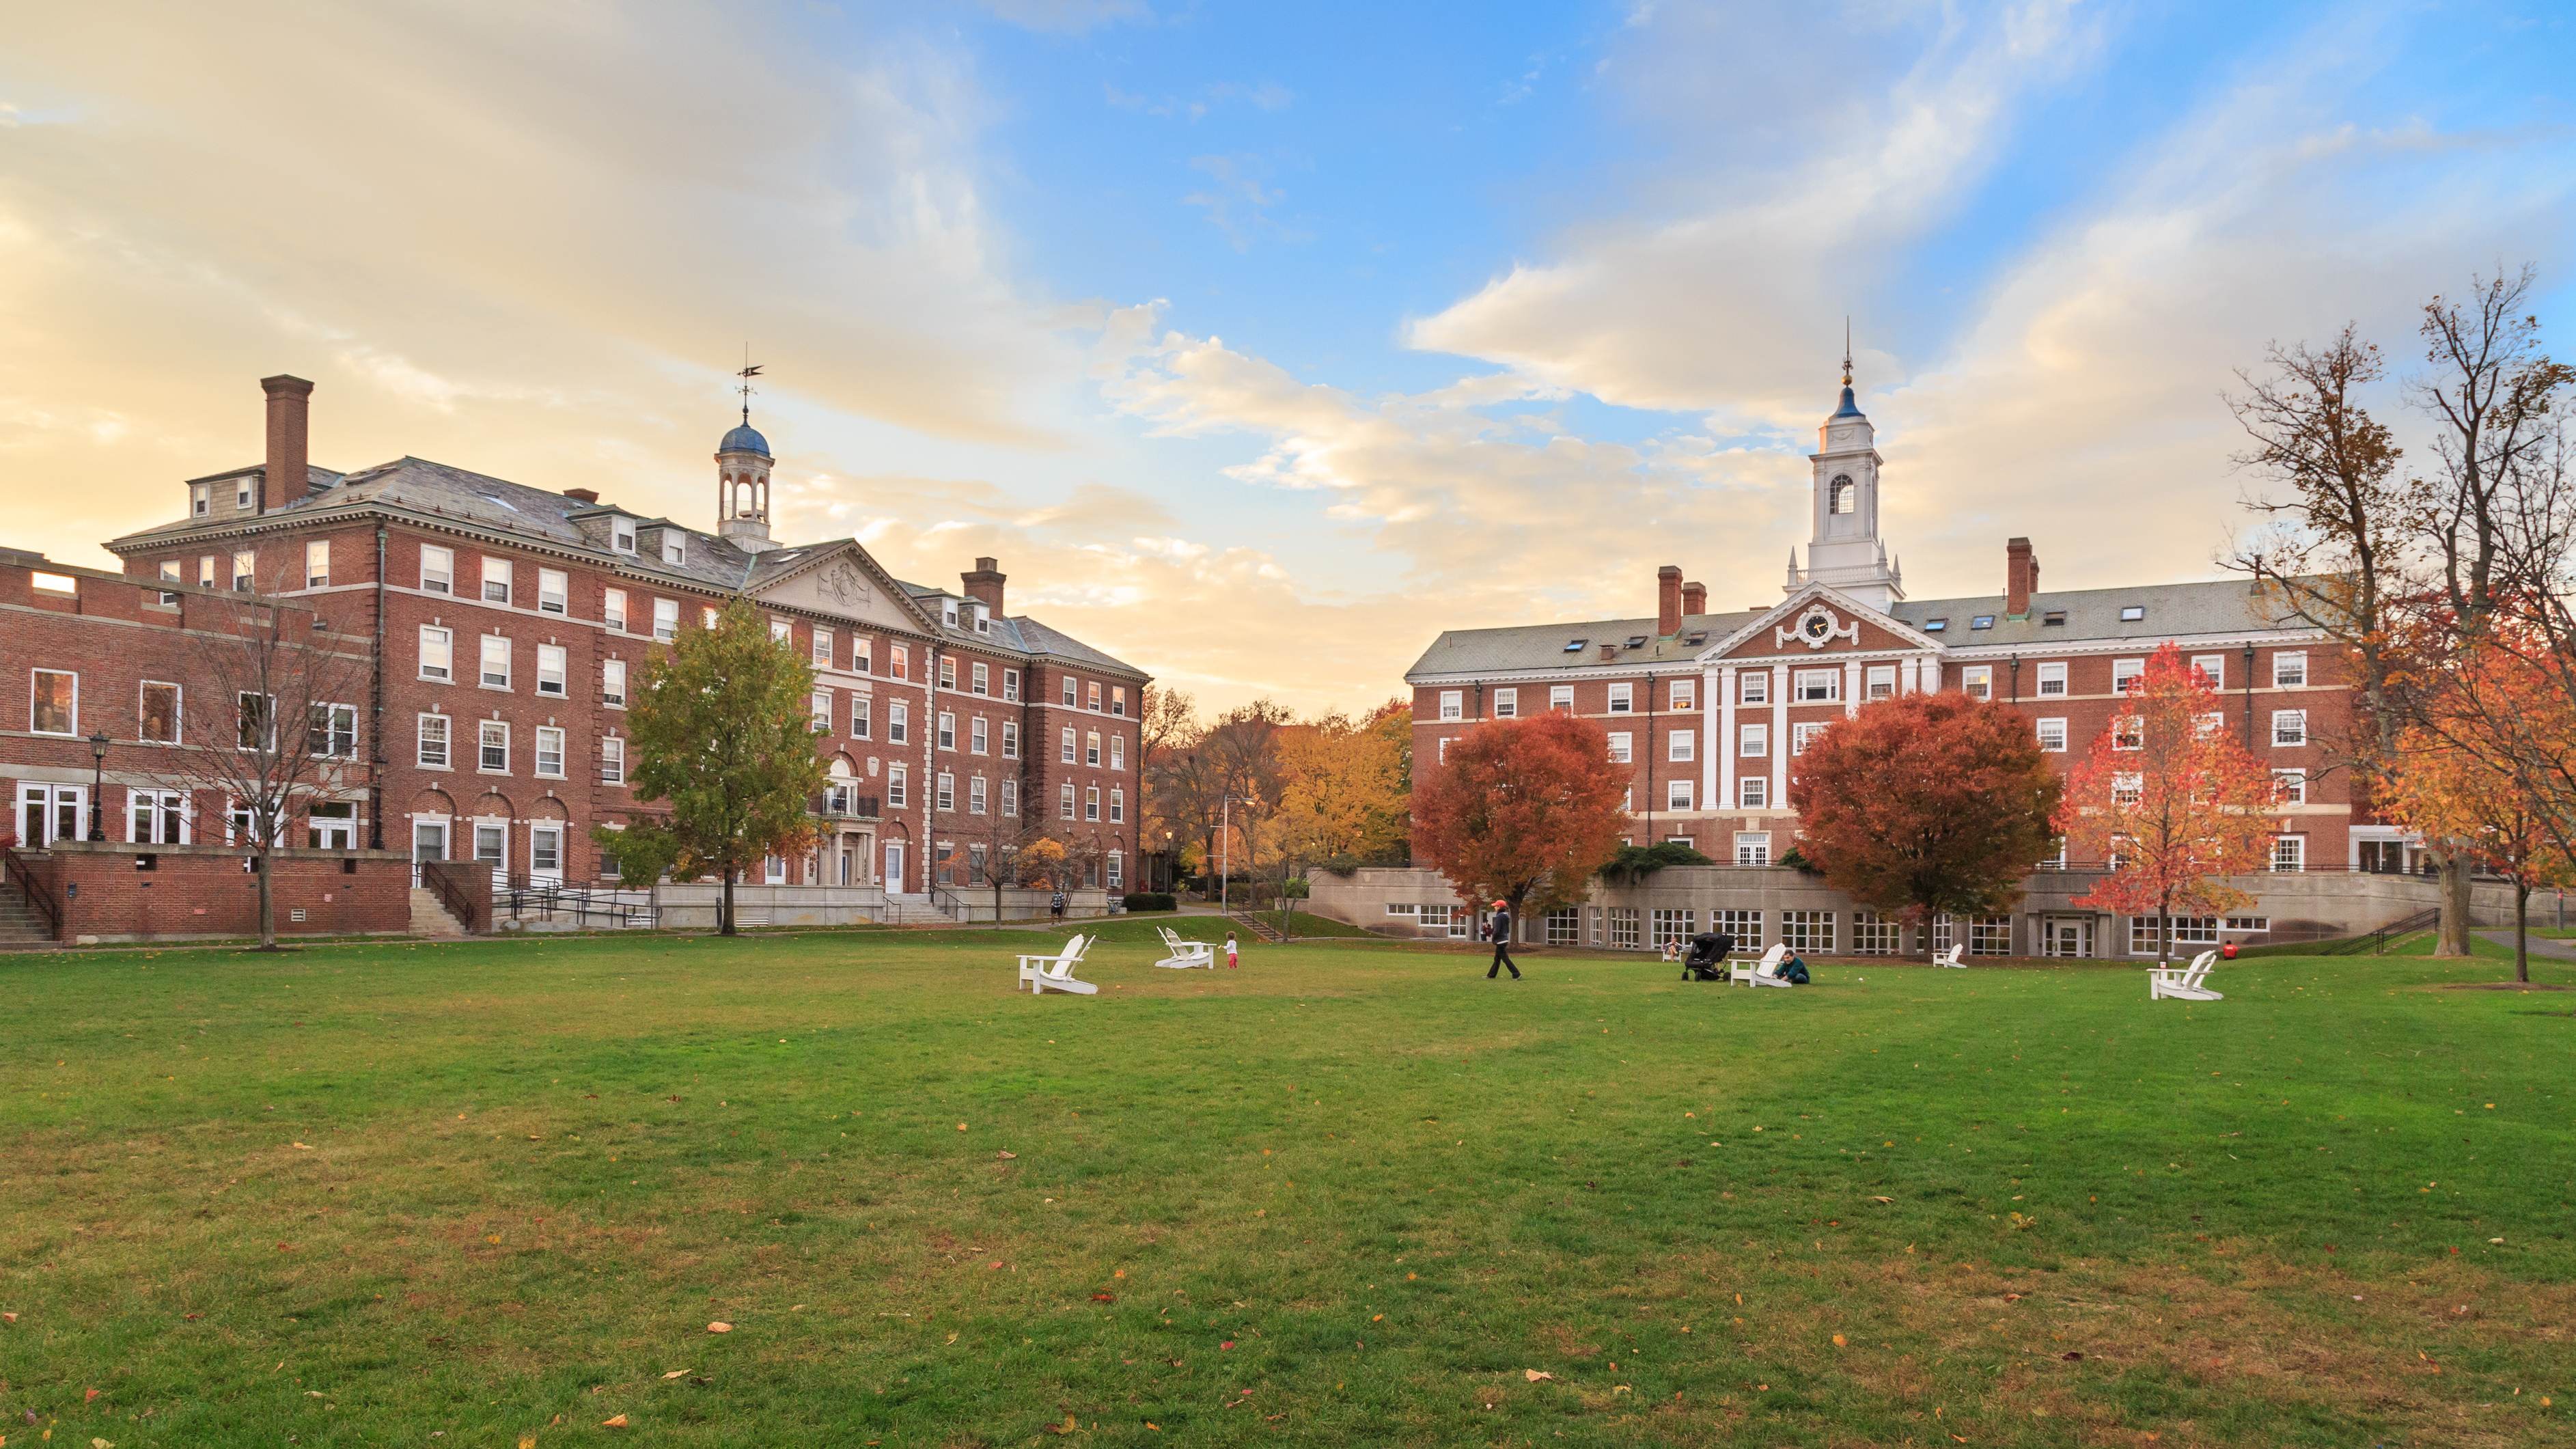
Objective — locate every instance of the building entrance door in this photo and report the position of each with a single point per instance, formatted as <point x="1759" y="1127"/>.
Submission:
<point x="428" y="842"/>
<point x="47" y="813"/>
<point x="2068" y="938"/>
<point x="894" y="867"/>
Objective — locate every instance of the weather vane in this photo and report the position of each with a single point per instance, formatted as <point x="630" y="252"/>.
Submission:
<point x="749" y="371"/>
<point x="1846" y="351"/>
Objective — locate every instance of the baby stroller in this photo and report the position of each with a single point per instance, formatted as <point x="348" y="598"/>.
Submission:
<point x="1707" y="958"/>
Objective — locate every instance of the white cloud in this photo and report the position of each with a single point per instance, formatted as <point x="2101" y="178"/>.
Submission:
<point x="1066" y="17"/>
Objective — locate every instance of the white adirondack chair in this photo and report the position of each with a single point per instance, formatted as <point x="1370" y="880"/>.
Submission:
<point x="1185" y="954"/>
<point x="1951" y="957"/>
<point x="1043" y="974"/>
<point x="2184" y="982"/>
<point x="1758" y="973"/>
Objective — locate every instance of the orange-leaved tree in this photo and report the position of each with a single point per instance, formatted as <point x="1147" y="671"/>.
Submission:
<point x="2469" y="773"/>
<point x="1925" y="804"/>
<point x="2171" y="800"/>
<point x="1523" y="810"/>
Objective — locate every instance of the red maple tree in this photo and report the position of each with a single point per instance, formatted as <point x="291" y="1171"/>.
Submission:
<point x="1524" y="810"/>
<point x="1925" y="804"/>
<point x="2170" y="801"/>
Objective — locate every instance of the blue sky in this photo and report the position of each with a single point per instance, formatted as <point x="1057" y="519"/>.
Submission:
<point x="1261" y="342"/>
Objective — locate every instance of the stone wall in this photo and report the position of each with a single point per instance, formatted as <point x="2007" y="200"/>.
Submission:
<point x="111" y="891"/>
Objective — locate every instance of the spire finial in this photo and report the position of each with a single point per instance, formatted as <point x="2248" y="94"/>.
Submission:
<point x="1847" y="351"/>
<point x="747" y="374"/>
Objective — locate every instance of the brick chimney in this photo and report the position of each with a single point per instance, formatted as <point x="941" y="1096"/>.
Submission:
<point x="287" y="476"/>
<point x="984" y="584"/>
<point x="582" y="495"/>
<point x="1694" y="599"/>
<point x="2021" y="577"/>
<point x="1668" y="600"/>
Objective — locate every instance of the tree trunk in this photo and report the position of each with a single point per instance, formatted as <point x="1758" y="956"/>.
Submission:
<point x="724" y="906"/>
<point x="2521" y="933"/>
<point x="267" y="902"/>
<point x="2164" y="931"/>
<point x="2452" y="938"/>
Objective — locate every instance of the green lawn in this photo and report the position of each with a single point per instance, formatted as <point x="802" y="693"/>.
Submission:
<point x="461" y="1194"/>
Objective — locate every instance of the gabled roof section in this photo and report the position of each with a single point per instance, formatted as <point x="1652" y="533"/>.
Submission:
<point x="1757" y="626"/>
<point x="1037" y="638"/>
<point x="778" y="575"/>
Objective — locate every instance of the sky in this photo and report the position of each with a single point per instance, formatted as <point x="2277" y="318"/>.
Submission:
<point x="1260" y="343"/>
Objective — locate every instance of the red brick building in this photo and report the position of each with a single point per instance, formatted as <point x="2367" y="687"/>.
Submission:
<point x="504" y="623"/>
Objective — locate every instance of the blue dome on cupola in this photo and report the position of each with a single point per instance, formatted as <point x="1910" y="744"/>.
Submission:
<point x="744" y="439"/>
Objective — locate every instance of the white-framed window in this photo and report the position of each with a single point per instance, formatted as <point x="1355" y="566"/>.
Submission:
<point x="492" y="746"/>
<point x="550" y="670"/>
<point x="781" y="631"/>
<point x="1682" y="745"/>
<point x="1440" y="748"/>
<point x="1011" y="685"/>
<point x="2052" y="735"/>
<point x="198" y="501"/>
<point x="1562" y="925"/>
<point x="948" y="671"/>
<point x="1072" y="692"/>
<point x="2209" y="724"/>
<point x="1010" y="739"/>
<point x="1684" y="695"/>
<point x="1091" y="749"/>
<point x="1623" y="928"/>
<point x="2052" y="680"/>
<point x="1744" y="926"/>
<point x="898" y="661"/>
<point x="612" y="683"/>
<point x="331" y="730"/>
<point x="1453" y="702"/>
<point x="496" y="661"/>
<point x="1118" y="700"/>
<point x="1879" y="682"/>
<point x="666" y="620"/>
<point x="2212" y="667"/>
<point x="317" y="563"/>
<point x="1065" y="747"/>
<point x="1117" y="869"/>
<point x="53" y="702"/>
<point x="496" y="580"/>
<point x="437" y="653"/>
<point x="947" y="730"/>
<point x="1117" y="805"/>
<point x="612" y="760"/>
<point x="2289" y="727"/>
<point x="1118" y="752"/>
<point x="1010" y="798"/>
<point x="156" y="817"/>
<point x="157" y="720"/>
<point x="1623" y="698"/>
<point x="170" y="575"/>
<point x="1978" y="681"/>
<point x="1091" y="803"/>
<point x="975" y="801"/>
<point x="978" y="736"/>
<point x="1619" y="746"/>
<point x="621" y="534"/>
<point x="1668" y="926"/>
<point x="1095" y="696"/>
<point x="1753" y="792"/>
<point x="822" y="647"/>
<point x="1807" y="932"/>
<point x="675" y="547"/>
<point x="947" y="796"/>
<point x="1561" y="697"/>
<point x="612" y="609"/>
<point x="2290" y="787"/>
<point x="2128" y="789"/>
<point x="2289" y="853"/>
<point x="206" y="571"/>
<point x="1752" y="741"/>
<point x="554" y="592"/>
<point x="245" y="570"/>
<point x="1990" y="935"/>
<point x="1752" y="847"/>
<point x="434" y="731"/>
<point x="2125" y="672"/>
<point x="1875" y="933"/>
<point x="1507" y="703"/>
<point x="1677" y="795"/>
<point x="898" y="786"/>
<point x="2289" y="670"/>
<point x="982" y="680"/>
<point x="1753" y="687"/>
<point x="2249" y="923"/>
<point x="437" y="570"/>
<point x="550" y="752"/>
<point x="819" y="706"/>
<point x="1064" y="801"/>
<point x="898" y="722"/>
<point x="859" y="722"/>
<point x="2129" y="732"/>
<point x="1801" y="735"/>
<point x="1818" y="686"/>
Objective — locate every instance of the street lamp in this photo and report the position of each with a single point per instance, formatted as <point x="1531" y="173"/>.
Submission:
<point x="98" y="783"/>
<point x="1225" y="852"/>
<point x="1171" y="862"/>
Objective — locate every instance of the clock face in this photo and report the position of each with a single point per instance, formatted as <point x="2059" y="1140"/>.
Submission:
<point x="1817" y="626"/>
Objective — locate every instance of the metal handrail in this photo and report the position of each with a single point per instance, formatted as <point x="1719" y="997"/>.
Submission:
<point x="449" y="895"/>
<point x="553" y="897"/>
<point x="955" y="907"/>
<point x="2377" y="941"/>
<point x="12" y="866"/>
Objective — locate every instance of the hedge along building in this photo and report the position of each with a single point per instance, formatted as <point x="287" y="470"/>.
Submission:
<point x="507" y="622"/>
<point x="1711" y="710"/>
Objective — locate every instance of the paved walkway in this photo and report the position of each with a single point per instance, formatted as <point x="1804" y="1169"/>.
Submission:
<point x="2554" y="950"/>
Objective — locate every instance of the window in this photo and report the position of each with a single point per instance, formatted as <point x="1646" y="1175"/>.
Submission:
<point x="1801" y="734"/>
<point x="1808" y="931"/>
<point x="169" y="575"/>
<point x="157" y="721"/>
<point x="2129" y="732"/>
<point x="1072" y="696"/>
<point x="1623" y="928"/>
<point x="1755" y="687"/>
<point x="1091" y="749"/>
<point x="975" y="804"/>
<point x="2249" y="923"/>
<point x="1881" y="682"/>
<point x="1117" y="806"/>
<point x="819" y="706"/>
<point x="496" y="661"/>
<point x="156" y="817"/>
<point x="433" y="741"/>
<point x="899" y="661"/>
<point x="781" y="631"/>
<point x="1011" y="684"/>
<point x="1753" y="792"/>
<point x="1095" y="696"/>
<point x="54" y="706"/>
<point x="1752" y="847"/>
<point x="1453" y="702"/>
<point x="947" y="797"/>
<point x="1622" y="698"/>
<point x="2127" y="789"/>
<point x="331" y="730"/>
<point x="2052" y="680"/>
<point x="1091" y="803"/>
<point x="1619" y="742"/>
<point x="1681" y="745"/>
<point x="197" y="500"/>
<point x="1936" y="626"/>
<point x="947" y="730"/>
<point x="550" y="752"/>
<point x="1874" y="934"/>
<point x="2187" y="931"/>
<point x="1990" y="935"/>
<point x="1978" y="680"/>
<point x="494" y="745"/>
<point x="1064" y="801"/>
<point x="436" y="657"/>
<point x="666" y="619"/>
<point x="612" y="683"/>
<point x="2126" y="672"/>
<point x="1982" y="621"/>
<point x="1443" y="747"/>
<point x="1118" y="752"/>
<point x="2289" y="727"/>
<point x="554" y="592"/>
<point x="1118" y="700"/>
<point x="948" y="612"/>
<point x="550" y="670"/>
<point x="898" y="779"/>
<point x="1677" y="795"/>
<point x="2212" y="667"/>
<point x="898" y="722"/>
<point x="545" y="850"/>
<point x="1668" y="927"/>
<point x="437" y="570"/>
<point x="675" y="548"/>
<point x="1562" y="924"/>
<point x="612" y="609"/>
<point x="1818" y="686"/>
<point x="1117" y="869"/>
<point x="621" y="534"/>
<point x="317" y="563"/>
<point x="707" y="616"/>
<point x="1744" y="926"/>
<point x="2290" y="787"/>
<point x="2053" y="618"/>
<point x="1752" y="741"/>
<point x="1396" y="909"/>
<point x="863" y="654"/>
<point x="2052" y="736"/>
<point x="1010" y="797"/>
<point x="1064" y="751"/>
<point x="948" y="671"/>
<point x="496" y="581"/>
<point x="612" y="761"/>
<point x="2289" y="671"/>
<point x="859" y="717"/>
<point x="2289" y="853"/>
<point x="1507" y="703"/>
<point x="245" y="563"/>
<point x="1561" y="697"/>
<point x="982" y="681"/>
<point x="2132" y="613"/>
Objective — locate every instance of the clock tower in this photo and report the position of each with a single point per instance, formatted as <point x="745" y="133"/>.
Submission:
<point x="1843" y="548"/>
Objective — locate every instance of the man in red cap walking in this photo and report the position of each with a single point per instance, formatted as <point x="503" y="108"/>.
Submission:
<point x="1500" y="928"/>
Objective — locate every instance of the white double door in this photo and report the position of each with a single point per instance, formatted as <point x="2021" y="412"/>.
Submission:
<point x="47" y="813"/>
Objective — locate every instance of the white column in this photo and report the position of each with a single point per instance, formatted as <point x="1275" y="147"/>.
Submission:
<point x="1720" y="774"/>
<point x="1851" y="688"/>
<point x="1779" y="736"/>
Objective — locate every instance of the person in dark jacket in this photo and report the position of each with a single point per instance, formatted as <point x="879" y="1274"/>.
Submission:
<point x="1500" y="928"/>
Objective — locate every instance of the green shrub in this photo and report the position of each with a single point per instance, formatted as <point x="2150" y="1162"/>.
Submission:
<point x="1149" y="901"/>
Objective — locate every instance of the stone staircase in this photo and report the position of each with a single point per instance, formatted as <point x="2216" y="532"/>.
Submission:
<point x="429" y="917"/>
<point x="912" y="911"/>
<point x="1257" y="926"/>
<point x="21" y="929"/>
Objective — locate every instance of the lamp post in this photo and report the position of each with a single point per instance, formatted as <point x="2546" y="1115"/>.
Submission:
<point x="1171" y="863"/>
<point x="98" y="783"/>
<point x="1225" y="854"/>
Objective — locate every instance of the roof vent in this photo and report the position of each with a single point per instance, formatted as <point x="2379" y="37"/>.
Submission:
<point x="2132" y="613"/>
<point x="1636" y="641"/>
<point x="1577" y="646"/>
<point x="582" y="495"/>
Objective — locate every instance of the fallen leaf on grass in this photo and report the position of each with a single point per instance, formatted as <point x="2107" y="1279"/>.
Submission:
<point x="1882" y="1199"/>
<point x="90" y="1398"/>
<point x="301" y="1147"/>
<point x="100" y="1444"/>
<point x="1539" y="1376"/>
<point x="719" y="1328"/>
<point x="1619" y="1389"/>
<point x="1005" y="1156"/>
<point x="1838" y="1340"/>
<point x="617" y="1423"/>
<point x="676" y="1373"/>
<point x="1104" y="1297"/>
<point x="527" y="1441"/>
<point x="1066" y="1428"/>
<point x="13" y="1317"/>
<point x="961" y="1126"/>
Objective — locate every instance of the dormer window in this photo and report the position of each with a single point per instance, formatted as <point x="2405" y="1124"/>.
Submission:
<point x="948" y="612"/>
<point x="198" y="502"/>
<point x="2056" y="617"/>
<point x="983" y="620"/>
<point x="621" y="534"/>
<point x="245" y="492"/>
<point x="675" y="550"/>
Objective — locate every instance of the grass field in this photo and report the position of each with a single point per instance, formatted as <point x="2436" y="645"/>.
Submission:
<point x="495" y="1193"/>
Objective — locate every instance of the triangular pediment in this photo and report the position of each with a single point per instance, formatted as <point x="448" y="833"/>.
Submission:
<point x="843" y="581"/>
<point x="1783" y="629"/>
